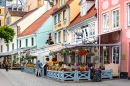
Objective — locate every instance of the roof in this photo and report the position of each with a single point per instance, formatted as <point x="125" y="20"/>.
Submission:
<point x="38" y="23"/>
<point x="91" y="12"/>
<point x="67" y="3"/>
<point x="17" y="13"/>
<point x="24" y="16"/>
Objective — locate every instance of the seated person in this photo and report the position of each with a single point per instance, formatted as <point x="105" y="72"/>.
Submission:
<point x="75" y="66"/>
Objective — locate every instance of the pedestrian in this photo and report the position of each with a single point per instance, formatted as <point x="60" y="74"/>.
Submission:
<point x="75" y="66"/>
<point x="38" y="66"/>
<point x="21" y="66"/>
<point x="45" y="68"/>
<point x="6" y="66"/>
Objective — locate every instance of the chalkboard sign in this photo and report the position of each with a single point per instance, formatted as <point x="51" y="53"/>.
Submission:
<point x="97" y="75"/>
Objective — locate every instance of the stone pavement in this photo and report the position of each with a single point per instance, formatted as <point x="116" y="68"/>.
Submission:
<point x="19" y="78"/>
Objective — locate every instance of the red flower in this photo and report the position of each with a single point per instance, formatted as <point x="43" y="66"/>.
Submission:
<point x="87" y="68"/>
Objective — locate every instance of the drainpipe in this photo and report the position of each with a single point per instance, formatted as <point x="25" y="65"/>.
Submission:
<point x="120" y="52"/>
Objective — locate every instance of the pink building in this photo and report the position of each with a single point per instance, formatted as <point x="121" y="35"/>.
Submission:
<point x="114" y="27"/>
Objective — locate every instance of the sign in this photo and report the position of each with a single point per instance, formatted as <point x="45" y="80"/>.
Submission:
<point x="97" y="75"/>
<point x="123" y="57"/>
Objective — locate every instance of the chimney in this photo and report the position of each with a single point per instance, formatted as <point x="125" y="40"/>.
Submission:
<point x="39" y="3"/>
<point x="55" y="2"/>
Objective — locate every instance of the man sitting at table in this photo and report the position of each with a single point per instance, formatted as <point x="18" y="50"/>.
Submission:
<point x="75" y="66"/>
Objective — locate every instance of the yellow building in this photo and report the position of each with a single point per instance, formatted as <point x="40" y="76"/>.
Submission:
<point x="62" y="16"/>
<point x="2" y="14"/>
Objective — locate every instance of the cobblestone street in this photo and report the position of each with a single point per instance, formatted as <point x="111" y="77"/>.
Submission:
<point x="18" y="78"/>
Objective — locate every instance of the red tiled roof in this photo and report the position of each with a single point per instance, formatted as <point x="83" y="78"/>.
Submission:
<point x="67" y="3"/>
<point x="38" y="23"/>
<point x="17" y="13"/>
<point x="79" y="18"/>
<point x="24" y="16"/>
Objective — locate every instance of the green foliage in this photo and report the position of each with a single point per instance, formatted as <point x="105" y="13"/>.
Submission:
<point x="90" y="54"/>
<point x="5" y="0"/>
<point x="13" y="62"/>
<point x="65" y="49"/>
<point x="96" y="58"/>
<point x="51" y="53"/>
<point x="7" y="34"/>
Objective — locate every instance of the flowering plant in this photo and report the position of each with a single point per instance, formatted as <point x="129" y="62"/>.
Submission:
<point x="82" y="52"/>
<point x="82" y="69"/>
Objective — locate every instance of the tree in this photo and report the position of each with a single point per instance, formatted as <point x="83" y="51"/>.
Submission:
<point x="7" y="33"/>
<point x="5" y="0"/>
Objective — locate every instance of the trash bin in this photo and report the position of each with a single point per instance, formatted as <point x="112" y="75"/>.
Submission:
<point x="97" y="75"/>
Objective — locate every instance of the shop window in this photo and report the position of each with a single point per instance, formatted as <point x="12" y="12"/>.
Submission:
<point x="55" y="38"/>
<point x="115" y="55"/>
<point x="105" y="22"/>
<point x="73" y="57"/>
<point x="59" y="34"/>
<point x="92" y="28"/>
<point x="128" y="17"/>
<point x="59" y="17"/>
<point x="115" y="19"/>
<point x="64" y="14"/>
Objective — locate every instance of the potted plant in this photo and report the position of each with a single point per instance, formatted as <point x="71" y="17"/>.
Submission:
<point x="65" y="50"/>
<point x="95" y="58"/>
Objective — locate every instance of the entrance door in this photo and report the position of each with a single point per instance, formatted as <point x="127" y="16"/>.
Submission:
<point x="115" y="55"/>
<point x="105" y="54"/>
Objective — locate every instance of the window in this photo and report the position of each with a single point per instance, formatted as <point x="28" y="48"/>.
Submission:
<point x="0" y="23"/>
<point x="59" y="34"/>
<point x="7" y="47"/>
<point x="64" y="14"/>
<point x="128" y="21"/>
<point x="32" y="41"/>
<point x="105" y="55"/>
<point x="26" y="42"/>
<point x="8" y="20"/>
<point x="13" y="46"/>
<point x="115" y="19"/>
<point x="64" y="35"/>
<point x="105" y="22"/>
<point x="59" y="3"/>
<point x="92" y="28"/>
<point x="19" y="43"/>
<point x="115" y="55"/>
<point x="55" y="37"/>
<point x="1" y="48"/>
<point x="59" y="17"/>
<point x="55" y="20"/>
<point x="62" y="2"/>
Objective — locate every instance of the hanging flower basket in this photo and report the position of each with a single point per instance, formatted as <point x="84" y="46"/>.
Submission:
<point x="51" y="53"/>
<point x="65" y="50"/>
<point x="82" y="52"/>
<point x="47" y="59"/>
<point x="54" y="59"/>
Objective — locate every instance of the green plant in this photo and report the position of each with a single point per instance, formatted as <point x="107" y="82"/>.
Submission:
<point x="10" y="59"/>
<point x="13" y="62"/>
<point x="51" y="53"/>
<point x="90" y="54"/>
<point x="96" y="58"/>
<point x="17" y="59"/>
<point x="29" y="58"/>
<point x="65" y="50"/>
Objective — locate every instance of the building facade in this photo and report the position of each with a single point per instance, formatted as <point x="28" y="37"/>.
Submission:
<point x="113" y="24"/>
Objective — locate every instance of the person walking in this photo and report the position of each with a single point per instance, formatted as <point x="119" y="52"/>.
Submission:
<point x="38" y="66"/>
<point x="6" y="66"/>
<point x="21" y="66"/>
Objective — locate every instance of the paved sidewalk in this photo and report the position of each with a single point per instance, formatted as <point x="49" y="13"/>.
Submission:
<point x="19" y="78"/>
<point x="4" y="81"/>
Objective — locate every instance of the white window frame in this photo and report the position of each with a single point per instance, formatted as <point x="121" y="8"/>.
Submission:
<point x="59" y="37"/>
<point x="128" y="14"/>
<point x="113" y="28"/>
<point x="19" y="43"/>
<point x="105" y="22"/>
<point x="92" y="23"/>
<point x="64" y="14"/>
<point x="32" y="41"/>
<point x="55" y="35"/>
<point x="26" y="42"/>
<point x="59" y="17"/>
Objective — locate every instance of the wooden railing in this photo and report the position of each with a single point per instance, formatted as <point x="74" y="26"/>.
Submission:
<point x="106" y="74"/>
